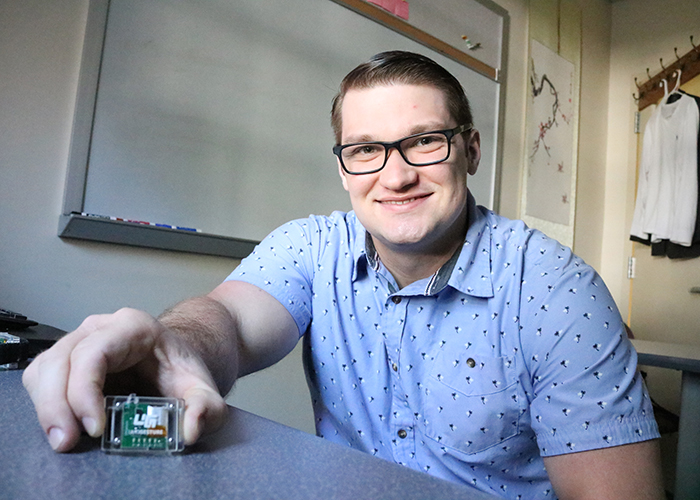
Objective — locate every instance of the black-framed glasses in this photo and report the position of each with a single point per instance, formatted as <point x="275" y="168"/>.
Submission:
<point x="418" y="150"/>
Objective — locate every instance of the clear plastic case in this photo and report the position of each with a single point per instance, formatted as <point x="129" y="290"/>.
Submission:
<point x="143" y="425"/>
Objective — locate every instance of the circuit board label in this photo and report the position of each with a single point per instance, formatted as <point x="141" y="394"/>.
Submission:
<point x="143" y="424"/>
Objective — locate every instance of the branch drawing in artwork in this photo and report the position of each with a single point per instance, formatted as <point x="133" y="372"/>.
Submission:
<point x="551" y="116"/>
<point x="537" y="86"/>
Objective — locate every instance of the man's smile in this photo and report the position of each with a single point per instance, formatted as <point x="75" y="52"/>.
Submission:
<point x="404" y="201"/>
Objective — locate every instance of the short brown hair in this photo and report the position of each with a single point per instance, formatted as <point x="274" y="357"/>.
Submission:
<point x="407" y="68"/>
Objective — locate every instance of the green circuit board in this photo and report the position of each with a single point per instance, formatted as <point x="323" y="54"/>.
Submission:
<point x="139" y="424"/>
<point x="144" y="426"/>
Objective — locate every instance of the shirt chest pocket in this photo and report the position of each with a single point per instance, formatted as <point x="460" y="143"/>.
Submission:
<point x="472" y="402"/>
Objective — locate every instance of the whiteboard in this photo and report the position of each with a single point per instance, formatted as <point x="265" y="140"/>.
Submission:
<point x="216" y="115"/>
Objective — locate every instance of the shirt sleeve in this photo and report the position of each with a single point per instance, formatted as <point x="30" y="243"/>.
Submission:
<point x="282" y="265"/>
<point x="586" y="390"/>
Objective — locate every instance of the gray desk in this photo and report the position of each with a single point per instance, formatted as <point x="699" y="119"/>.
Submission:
<point x="251" y="458"/>
<point x="687" y="359"/>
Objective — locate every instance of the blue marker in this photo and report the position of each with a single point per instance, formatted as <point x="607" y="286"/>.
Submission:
<point x="181" y="228"/>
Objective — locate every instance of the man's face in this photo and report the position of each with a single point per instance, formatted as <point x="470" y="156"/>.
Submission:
<point x="408" y="209"/>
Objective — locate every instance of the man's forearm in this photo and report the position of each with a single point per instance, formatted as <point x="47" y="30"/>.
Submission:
<point x="208" y="327"/>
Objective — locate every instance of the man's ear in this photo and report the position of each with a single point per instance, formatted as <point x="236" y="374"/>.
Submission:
<point x="343" y="175"/>
<point x="473" y="151"/>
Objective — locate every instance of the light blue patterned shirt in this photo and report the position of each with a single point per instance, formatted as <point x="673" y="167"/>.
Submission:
<point x="512" y="351"/>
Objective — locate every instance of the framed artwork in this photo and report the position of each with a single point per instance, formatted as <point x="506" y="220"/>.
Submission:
<point x="549" y="187"/>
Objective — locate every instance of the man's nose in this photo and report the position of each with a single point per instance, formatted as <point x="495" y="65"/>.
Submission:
<point x="397" y="174"/>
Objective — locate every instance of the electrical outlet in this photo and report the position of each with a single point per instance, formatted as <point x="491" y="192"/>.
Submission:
<point x="631" y="265"/>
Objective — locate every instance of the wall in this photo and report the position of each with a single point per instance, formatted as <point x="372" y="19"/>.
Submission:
<point x="642" y="32"/>
<point x="593" y="127"/>
<point x="60" y="282"/>
<point x="514" y="130"/>
<point x="595" y="68"/>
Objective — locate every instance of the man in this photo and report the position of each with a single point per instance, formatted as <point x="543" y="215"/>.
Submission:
<point x="437" y="334"/>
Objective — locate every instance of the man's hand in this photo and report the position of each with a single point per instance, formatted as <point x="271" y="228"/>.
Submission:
<point x="66" y="382"/>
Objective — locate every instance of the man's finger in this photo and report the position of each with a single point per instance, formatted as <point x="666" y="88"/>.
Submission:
<point x="205" y="412"/>
<point x="183" y="374"/>
<point x="116" y="344"/>
<point x="46" y="380"/>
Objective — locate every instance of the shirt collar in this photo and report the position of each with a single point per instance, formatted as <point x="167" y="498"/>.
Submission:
<point x="371" y="252"/>
<point x="468" y="270"/>
<point x="360" y="250"/>
<point x="472" y="273"/>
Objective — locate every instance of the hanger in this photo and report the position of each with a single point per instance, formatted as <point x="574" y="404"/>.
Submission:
<point x="675" y="94"/>
<point x="678" y="81"/>
<point x="663" y="83"/>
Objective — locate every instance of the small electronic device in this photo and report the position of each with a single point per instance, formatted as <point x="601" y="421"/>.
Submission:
<point x="22" y="339"/>
<point x="14" y="321"/>
<point x="143" y="425"/>
<point x="13" y="350"/>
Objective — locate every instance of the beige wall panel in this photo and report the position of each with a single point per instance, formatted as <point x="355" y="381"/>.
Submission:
<point x="570" y="31"/>
<point x="544" y="22"/>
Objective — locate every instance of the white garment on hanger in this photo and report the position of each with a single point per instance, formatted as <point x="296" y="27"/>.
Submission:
<point x="667" y="192"/>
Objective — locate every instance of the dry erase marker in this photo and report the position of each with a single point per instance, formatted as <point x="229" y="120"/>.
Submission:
<point x="95" y="216"/>
<point x="142" y="222"/>
<point x="168" y="226"/>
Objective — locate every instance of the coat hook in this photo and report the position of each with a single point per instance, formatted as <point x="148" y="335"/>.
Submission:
<point x="661" y="62"/>
<point x="636" y="83"/>
<point x="648" y="74"/>
<point x="636" y="99"/>
<point x="675" y="51"/>
<point x="691" y="43"/>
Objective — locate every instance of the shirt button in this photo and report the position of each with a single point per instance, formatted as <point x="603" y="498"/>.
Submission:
<point x="394" y="367"/>
<point x="402" y="434"/>
<point x="396" y="300"/>
<point x="471" y="363"/>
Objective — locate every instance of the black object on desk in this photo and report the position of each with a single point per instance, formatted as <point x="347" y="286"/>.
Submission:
<point x="12" y="320"/>
<point x="40" y="337"/>
<point x="27" y="339"/>
<point x="250" y="458"/>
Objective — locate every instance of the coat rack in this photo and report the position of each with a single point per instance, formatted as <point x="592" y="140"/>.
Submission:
<point x="651" y="91"/>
